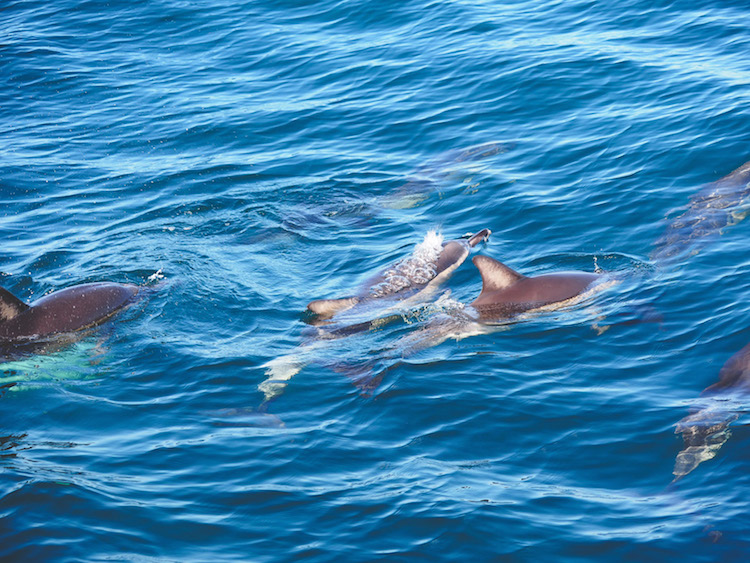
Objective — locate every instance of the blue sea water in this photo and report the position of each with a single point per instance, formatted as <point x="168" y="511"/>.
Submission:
<point x="244" y="158"/>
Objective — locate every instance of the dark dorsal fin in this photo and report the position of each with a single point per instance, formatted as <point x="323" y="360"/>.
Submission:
<point x="495" y="275"/>
<point x="10" y="305"/>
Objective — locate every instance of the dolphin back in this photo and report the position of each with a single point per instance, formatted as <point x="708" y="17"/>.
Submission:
<point x="68" y="310"/>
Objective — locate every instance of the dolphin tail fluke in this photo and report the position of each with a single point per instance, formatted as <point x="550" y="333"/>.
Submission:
<point x="329" y="307"/>
<point x="703" y="432"/>
<point x="10" y="305"/>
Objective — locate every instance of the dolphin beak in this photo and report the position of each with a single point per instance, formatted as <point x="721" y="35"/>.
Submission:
<point x="481" y="236"/>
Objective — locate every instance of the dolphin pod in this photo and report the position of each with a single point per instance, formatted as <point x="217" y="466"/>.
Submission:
<point x="66" y="310"/>
<point x="408" y="281"/>
<point x="505" y="293"/>
<point x="716" y="206"/>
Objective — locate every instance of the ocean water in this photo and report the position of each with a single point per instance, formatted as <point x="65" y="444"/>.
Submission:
<point x="244" y="158"/>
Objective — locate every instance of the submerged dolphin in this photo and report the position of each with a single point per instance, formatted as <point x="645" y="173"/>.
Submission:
<point x="426" y="178"/>
<point x="429" y="266"/>
<point x="66" y="310"/>
<point x="718" y="205"/>
<point x="704" y="431"/>
<point x="506" y="293"/>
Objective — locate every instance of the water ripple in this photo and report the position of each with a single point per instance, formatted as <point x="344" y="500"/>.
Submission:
<point x="261" y="156"/>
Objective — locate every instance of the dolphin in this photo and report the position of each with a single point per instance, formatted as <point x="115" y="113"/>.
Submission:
<point x="718" y="205"/>
<point x="705" y="430"/>
<point x="427" y="177"/>
<point x="431" y="263"/>
<point x="67" y="310"/>
<point x="506" y="293"/>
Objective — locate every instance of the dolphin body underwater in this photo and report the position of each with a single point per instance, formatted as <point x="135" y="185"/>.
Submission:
<point x="705" y="430"/>
<point x="67" y="310"/>
<point x="426" y="179"/>
<point x="717" y="205"/>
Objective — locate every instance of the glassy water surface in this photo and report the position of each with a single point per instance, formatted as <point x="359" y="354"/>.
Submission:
<point x="245" y="158"/>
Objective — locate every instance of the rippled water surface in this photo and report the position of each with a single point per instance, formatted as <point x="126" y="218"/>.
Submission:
<point x="244" y="158"/>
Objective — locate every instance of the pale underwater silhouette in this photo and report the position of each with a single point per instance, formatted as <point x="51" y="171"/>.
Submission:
<point x="707" y="428"/>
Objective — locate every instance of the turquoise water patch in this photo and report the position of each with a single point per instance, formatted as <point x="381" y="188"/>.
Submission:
<point x="73" y="363"/>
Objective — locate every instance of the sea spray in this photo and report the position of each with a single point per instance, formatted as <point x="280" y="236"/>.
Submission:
<point x="418" y="269"/>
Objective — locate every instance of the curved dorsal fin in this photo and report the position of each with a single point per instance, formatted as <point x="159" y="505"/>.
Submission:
<point x="10" y="305"/>
<point x="495" y="275"/>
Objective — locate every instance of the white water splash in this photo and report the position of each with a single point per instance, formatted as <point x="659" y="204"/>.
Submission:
<point x="156" y="276"/>
<point x="418" y="269"/>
